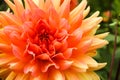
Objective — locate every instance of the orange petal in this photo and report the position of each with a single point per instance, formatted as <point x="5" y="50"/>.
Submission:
<point x="75" y="38"/>
<point x="53" y="19"/>
<point x="65" y="9"/>
<point x="19" y="7"/>
<point x="4" y="38"/>
<point x="3" y="21"/>
<point x="5" y="48"/>
<point x="82" y="47"/>
<point x="17" y="66"/>
<point x="11" y="19"/>
<point x="76" y="22"/>
<point x="67" y="53"/>
<point x="86" y="11"/>
<point x="78" y="9"/>
<point x="56" y="75"/>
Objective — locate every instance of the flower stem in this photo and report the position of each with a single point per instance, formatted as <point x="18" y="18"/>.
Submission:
<point x="114" y="51"/>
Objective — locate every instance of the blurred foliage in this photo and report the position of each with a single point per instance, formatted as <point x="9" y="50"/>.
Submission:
<point x="110" y="11"/>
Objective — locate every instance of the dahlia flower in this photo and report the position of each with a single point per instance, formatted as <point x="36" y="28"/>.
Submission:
<point x="46" y="40"/>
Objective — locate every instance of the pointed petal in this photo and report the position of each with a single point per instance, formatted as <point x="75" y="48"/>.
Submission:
<point x="19" y="7"/>
<point x="100" y="66"/>
<point x="101" y="36"/>
<point x="76" y="22"/>
<point x="86" y="11"/>
<point x="56" y="4"/>
<point x="92" y="31"/>
<point x="53" y="19"/>
<point x="11" y="19"/>
<point x="12" y="6"/>
<point x="64" y="9"/>
<point x="90" y="23"/>
<point x="95" y="14"/>
<point x="30" y="4"/>
<point x="78" y="9"/>
<point x="97" y="43"/>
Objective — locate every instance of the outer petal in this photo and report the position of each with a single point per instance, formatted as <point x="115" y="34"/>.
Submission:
<point x="11" y="19"/>
<point x="97" y="43"/>
<point x="56" y="4"/>
<point x="65" y="9"/>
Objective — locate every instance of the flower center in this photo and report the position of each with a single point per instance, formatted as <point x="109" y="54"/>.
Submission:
<point x="43" y="35"/>
<point x="42" y="42"/>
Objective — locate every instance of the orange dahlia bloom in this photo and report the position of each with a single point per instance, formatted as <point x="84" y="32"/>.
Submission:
<point x="45" y="40"/>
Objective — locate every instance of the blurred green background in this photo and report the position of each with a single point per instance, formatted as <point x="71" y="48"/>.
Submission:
<point x="110" y="11"/>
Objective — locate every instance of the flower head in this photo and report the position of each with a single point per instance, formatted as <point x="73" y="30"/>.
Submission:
<point x="46" y="40"/>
